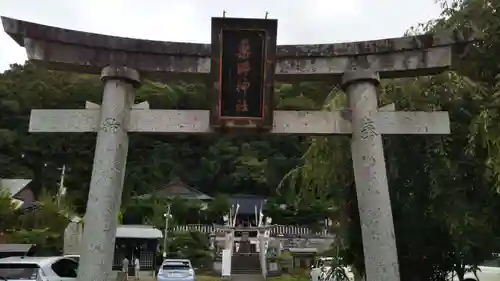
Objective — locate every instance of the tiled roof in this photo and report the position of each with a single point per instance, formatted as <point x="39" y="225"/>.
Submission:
<point x="15" y="248"/>
<point x="177" y="189"/>
<point x="138" y="231"/>
<point x="13" y="186"/>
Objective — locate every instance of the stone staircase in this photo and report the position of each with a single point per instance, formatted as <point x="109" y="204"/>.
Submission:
<point x="247" y="263"/>
<point x="247" y="277"/>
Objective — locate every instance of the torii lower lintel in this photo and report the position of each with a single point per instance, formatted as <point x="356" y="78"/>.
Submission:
<point x="197" y="122"/>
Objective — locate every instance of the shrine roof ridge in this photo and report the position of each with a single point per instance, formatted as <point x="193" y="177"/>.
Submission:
<point x="18" y="30"/>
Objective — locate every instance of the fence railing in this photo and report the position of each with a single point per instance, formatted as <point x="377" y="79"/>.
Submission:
<point x="203" y="228"/>
<point x="278" y="230"/>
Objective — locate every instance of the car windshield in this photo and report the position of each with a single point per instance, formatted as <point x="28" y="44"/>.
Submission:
<point x="323" y="262"/>
<point x="12" y="271"/>
<point x="176" y="266"/>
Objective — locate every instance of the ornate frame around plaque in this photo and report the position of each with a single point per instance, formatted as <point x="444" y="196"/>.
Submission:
<point x="242" y="69"/>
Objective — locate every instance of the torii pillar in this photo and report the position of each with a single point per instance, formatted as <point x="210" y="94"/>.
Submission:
<point x="374" y="203"/>
<point x="108" y="172"/>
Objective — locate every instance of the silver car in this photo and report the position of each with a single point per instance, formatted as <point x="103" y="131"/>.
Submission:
<point x="176" y="270"/>
<point x="38" y="268"/>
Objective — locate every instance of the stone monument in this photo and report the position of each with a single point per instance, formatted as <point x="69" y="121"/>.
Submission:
<point x="244" y="243"/>
<point x="73" y="237"/>
<point x="357" y="66"/>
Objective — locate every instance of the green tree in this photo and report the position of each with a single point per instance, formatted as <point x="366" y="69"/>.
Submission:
<point x="6" y="211"/>
<point x="212" y="164"/>
<point x="191" y="245"/>
<point x="217" y="208"/>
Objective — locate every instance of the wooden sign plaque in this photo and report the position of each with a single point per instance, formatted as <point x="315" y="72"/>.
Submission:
<point x="243" y="63"/>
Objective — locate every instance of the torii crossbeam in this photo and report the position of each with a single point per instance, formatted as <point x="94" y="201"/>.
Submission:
<point x="197" y="122"/>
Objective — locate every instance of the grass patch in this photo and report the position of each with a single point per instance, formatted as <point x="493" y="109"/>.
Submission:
<point x="295" y="275"/>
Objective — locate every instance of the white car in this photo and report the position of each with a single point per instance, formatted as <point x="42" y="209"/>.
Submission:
<point x="487" y="271"/>
<point x="176" y="270"/>
<point x="38" y="268"/>
<point x="73" y="257"/>
<point x="320" y="269"/>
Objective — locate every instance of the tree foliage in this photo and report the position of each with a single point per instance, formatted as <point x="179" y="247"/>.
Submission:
<point x="43" y="226"/>
<point x="193" y="246"/>
<point x="212" y="164"/>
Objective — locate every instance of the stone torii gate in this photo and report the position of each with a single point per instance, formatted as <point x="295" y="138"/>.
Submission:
<point x="119" y="61"/>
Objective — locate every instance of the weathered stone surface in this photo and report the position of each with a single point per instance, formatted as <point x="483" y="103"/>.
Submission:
<point x="370" y="175"/>
<point x="64" y="120"/>
<point x="351" y="77"/>
<point x="73" y="238"/>
<point x="64" y="49"/>
<point x="142" y="105"/>
<point x="197" y="122"/>
<point x="108" y="172"/>
<point x="121" y="73"/>
<point x="19" y="30"/>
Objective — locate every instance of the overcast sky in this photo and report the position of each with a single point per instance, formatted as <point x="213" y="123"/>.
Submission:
<point x="299" y="21"/>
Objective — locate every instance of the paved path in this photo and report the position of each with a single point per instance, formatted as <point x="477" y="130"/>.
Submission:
<point x="246" y="277"/>
<point x="131" y="278"/>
